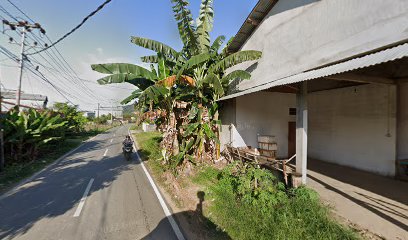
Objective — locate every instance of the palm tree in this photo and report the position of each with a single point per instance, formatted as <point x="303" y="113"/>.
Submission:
<point x="200" y="64"/>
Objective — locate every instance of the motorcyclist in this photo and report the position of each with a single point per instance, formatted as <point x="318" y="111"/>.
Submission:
<point x="127" y="142"/>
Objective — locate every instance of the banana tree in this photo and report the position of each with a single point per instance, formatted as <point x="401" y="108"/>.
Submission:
<point x="196" y="74"/>
<point x="26" y="132"/>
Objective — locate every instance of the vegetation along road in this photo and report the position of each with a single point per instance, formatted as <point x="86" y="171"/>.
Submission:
<point x="91" y="194"/>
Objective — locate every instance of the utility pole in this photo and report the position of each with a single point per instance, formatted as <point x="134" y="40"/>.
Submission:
<point x="112" y="115"/>
<point x="98" y="111"/>
<point x="18" y="95"/>
<point x="2" y="160"/>
<point x="26" y="27"/>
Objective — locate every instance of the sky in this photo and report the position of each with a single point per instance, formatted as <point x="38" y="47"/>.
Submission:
<point x="104" y="38"/>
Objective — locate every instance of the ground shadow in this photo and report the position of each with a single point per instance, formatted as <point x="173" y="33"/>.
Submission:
<point x="384" y="186"/>
<point x="373" y="208"/>
<point x="59" y="188"/>
<point x="198" y="226"/>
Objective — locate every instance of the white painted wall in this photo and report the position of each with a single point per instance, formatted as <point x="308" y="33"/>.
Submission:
<point x="354" y="126"/>
<point x="403" y="123"/>
<point x="264" y="113"/>
<point x="298" y="35"/>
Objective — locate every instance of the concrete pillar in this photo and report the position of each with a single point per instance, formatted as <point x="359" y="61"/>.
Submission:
<point x="301" y="131"/>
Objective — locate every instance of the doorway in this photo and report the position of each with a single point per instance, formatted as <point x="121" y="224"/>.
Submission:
<point x="291" y="139"/>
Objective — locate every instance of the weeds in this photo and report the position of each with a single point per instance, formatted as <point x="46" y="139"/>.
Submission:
<point x="249" y="203"/>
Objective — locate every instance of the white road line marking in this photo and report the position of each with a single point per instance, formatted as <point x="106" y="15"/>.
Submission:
<point x="82" y="202"/>
<point x="111" y="140"/>
<point x="106" y="151"/>
<point x="166" y="210"/>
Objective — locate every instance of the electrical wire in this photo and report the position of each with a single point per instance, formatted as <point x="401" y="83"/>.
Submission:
<point x="58" y="63"/>
<point x="57" y="58"/>
<point x="38" y="74"/>
<point x="75" y="28"/>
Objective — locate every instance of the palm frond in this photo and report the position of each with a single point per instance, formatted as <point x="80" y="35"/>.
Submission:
<point x="141" y="83"/>
<point x="215" y="47"/>
<point x="124" y="68"/>
<point x="185" y="24"/>
<point x="155" y="46"/>
<point x="234" y="59"/>
<point x="135" y="94"/>
<point x="149" y="59"/>
<point x="205" y="24"/>
<point x="237" y="74"/>
<point x="194" y="61"/>
<point x="214" y="80"/>
<point x="225" y="49"/>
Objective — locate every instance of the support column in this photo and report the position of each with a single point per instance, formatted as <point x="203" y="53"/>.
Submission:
<point x="301" y="131"/>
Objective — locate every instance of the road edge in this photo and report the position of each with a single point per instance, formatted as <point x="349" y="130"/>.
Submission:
<point x="162" y="202"/>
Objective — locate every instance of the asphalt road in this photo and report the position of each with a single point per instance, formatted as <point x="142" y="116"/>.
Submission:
<point x="120" y="204"/>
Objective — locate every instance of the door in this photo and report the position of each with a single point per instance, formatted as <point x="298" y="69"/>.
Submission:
<point x="291" y="139"/>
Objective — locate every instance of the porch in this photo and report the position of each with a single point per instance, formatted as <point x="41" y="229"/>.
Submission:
<point x="376" y="203"/>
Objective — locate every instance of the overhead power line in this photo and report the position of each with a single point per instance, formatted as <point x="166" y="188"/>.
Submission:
<point x="38" y="74"/>
<point x="75" y="28"/>
<point x="57" y="61"/>
<point x="20" y="10"/>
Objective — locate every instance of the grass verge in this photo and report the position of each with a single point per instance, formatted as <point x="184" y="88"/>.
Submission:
<point x="243" y="202"/>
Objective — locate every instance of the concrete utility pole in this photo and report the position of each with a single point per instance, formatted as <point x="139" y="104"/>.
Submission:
<point x="98" y="111"/>
<point x="26" y="27"/>
<point x="18" y="95"/>
<point x="2" y="160"/>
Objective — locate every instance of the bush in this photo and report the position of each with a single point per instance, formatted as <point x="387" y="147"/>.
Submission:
<point x="249" y="203"/>
<point x="75" y="118"/>
<point x="27" y="132"/>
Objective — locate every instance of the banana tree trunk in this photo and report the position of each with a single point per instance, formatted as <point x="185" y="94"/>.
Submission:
<point x="217" y="132"/>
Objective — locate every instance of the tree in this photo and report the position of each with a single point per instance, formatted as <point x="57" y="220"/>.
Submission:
<point x="27" y="131"/>
<point x="194" y="77"/>
<point x="75" y="118"/>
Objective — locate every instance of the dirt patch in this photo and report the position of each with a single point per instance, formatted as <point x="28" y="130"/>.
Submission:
<point x="187" y="202"/>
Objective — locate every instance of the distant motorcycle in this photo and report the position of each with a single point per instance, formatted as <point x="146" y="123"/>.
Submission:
<point x="127" y="151"/>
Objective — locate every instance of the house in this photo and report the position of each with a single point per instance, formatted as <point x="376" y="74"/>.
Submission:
<point x="332" y="83"/>
<point x="89" y="114"/>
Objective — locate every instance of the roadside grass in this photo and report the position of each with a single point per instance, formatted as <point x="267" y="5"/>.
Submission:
<point x="14" y="173"/>
<point x="250" y="203"/>
<point x="135" y="127"/>
<point x="17" y="172"/>
<point x="206" y="176"/>
<point x="268" y="211"/>
<point x="149" y="150"/>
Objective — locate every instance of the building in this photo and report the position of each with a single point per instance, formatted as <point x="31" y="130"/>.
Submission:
<point x="332" y="83"/>
<point x="89" y="114"/>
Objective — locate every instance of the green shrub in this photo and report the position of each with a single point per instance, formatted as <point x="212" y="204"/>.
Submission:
<point x="75" y="118"/>
<point x="249" y="203"/>
<point x="27" y="132"/>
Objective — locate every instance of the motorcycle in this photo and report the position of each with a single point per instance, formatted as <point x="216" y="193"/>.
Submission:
<point x="127" y="151"/>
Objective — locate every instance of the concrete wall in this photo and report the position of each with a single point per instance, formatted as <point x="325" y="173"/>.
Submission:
<point x="299" y="35"/>
<point x="263" y="113"/>
<point x="403" y="122"/>
<point x="354" y="126"/>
